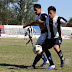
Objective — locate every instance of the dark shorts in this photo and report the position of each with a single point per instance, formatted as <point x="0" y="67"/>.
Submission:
<point x="49" y="43"/>
<point x="30" y="36"/>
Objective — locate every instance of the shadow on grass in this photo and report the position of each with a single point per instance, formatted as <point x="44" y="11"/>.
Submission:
<point x="20" y="66"/>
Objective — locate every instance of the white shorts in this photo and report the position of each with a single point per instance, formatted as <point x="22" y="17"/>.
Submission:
<point x="41" y="39"/>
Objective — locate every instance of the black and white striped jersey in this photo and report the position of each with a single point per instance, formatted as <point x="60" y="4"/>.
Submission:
<point x="54" y="27"/>
<point x="31" y="31"/>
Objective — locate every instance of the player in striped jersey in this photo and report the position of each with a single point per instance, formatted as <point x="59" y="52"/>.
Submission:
<point x="54" y="38"/>
<point x="30" y="34"/>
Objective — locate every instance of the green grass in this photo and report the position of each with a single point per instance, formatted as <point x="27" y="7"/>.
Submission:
<point x="15" y="56"/>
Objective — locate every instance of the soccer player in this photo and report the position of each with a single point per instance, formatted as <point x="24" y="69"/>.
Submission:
<point x="41" y="20"/>
<point x="0" y="33"/>
<point x="30" y="34"/>
<point x="54" y="38"/>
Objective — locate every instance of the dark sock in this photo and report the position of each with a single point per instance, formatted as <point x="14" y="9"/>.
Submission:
<point x="60" y="54"/>
<point x="37" y="58"/>
<point x="28" y="42"/>
<point x="32" y="42"/>
<point x="44" y="58"/>
<point x="48" y="54"/>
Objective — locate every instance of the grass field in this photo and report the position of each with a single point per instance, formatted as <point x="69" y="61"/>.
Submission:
<point x="15" y="56"/>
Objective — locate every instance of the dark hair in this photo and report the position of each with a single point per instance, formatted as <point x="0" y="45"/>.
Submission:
<point x="51" y="8"/>
<point x="37" y="6"/>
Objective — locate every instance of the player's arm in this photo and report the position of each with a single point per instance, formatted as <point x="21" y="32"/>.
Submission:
<point x="38" y="21"/>
<point x="34" y="30"/>
<point x="33" y="23"/>
<point x="69" y="24"/>
<point x="64" y="21"/>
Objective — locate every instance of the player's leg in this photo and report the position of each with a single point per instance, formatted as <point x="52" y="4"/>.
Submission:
<point x="28" y="40"/>
<point x="48" y="54"/>
<point x="47" y="45"/>
<point x="45" y="61"/>
<point x="31" y="40"/>
<point x="40" y="41"/>
<point x="37" y="58"/>
<point x="58" y="50"/>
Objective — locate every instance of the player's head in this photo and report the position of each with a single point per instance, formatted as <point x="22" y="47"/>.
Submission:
<point x="37" y="9"/>
<point x="51" y="11"/>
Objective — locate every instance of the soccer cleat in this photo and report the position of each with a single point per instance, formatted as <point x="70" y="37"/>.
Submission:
<point x="51" y="67"/>
<point x="44" y="63"/>
<point x="62" y="62"/>
<point x="31" y="67"/>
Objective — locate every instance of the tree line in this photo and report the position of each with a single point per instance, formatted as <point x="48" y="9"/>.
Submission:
<point x="17" y="12"/>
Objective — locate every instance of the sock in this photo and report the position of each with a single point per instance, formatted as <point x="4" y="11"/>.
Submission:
<point x="37" y="58"/>
<point x="44" y="58"/>
<point x="28" y="42"/>
<point x="32" y="42"/>
<point x="60" y="54"/>
<point x="48" y="54"/>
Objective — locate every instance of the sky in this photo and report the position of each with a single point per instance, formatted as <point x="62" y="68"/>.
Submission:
<point x="63" y="7"/>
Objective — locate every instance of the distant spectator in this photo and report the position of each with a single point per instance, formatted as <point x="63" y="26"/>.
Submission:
<point x="0" y="32"/>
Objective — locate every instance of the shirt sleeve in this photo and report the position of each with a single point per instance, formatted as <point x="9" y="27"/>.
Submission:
<point x="43" y="17"/>
<point x="63" y="21"/>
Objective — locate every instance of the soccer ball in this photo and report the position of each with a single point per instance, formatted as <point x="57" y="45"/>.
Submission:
<point x="37" y="49"/>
